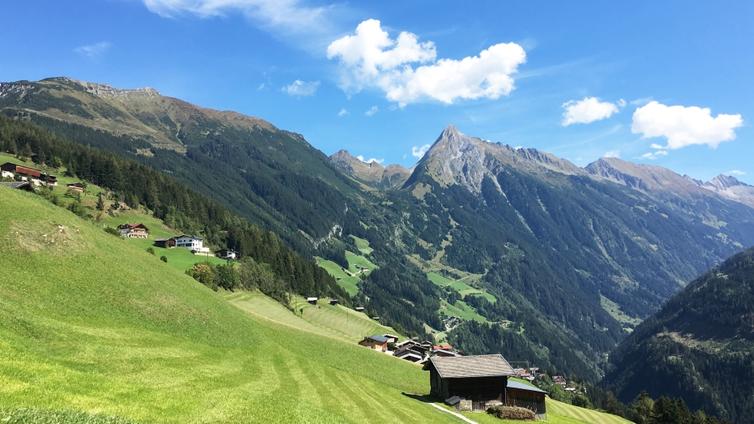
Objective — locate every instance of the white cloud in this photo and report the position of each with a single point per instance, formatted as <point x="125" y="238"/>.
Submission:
<point x="372" y="111"/>
<point x="370" y="160"/>
<point x="94" y="50"/>
<point x="300" y="88"/>
<point x="342" y="112"/>
<point x="612" y="154"/>
<point x="684" y="125"/>
<point x="735" y="172"/>
<point x="419" y="151"/>
<point x="408" y="71"/>
<point x="587" y="110"/>
<point x="654" y="155"/>
<point x="290" y="15"/>
<point x="655" y="146"/>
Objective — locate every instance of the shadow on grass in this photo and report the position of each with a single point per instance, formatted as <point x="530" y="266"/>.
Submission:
<point x="420" y="398"/>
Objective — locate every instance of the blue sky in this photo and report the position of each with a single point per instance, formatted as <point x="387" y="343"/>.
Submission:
<point x="664" y="82"/>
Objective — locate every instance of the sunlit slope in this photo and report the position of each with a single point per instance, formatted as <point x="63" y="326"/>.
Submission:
<point x="321" y="319"/>
<point x="90" y="323"/>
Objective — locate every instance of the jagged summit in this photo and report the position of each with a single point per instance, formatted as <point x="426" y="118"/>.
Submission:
<point x="456" y="158"/>
<point x="722" y="182"/>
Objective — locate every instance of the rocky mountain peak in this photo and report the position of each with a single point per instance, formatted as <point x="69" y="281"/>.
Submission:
<point x="722" y="182"/>
<point x="371" y="173"/>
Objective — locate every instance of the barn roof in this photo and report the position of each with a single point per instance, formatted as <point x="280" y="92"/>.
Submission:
<point x="513" y="384"/>
<point x="472" y="366"/>
<point x="377" y="338"/>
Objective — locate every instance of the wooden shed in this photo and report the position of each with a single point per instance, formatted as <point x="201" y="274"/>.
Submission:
<point x="526" y="396"/>
<point x="479" y="378"/>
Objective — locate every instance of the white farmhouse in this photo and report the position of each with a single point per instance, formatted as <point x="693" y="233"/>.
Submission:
<point x="193" y="243"/>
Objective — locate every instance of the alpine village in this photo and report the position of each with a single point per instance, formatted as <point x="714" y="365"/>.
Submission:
<point x="165" y="262"/>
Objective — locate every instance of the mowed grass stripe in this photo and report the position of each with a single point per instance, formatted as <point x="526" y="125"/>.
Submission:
<point x="327" y="397"/>
<point x="373" y="411"/>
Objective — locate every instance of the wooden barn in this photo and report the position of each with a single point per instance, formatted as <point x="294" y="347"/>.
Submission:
<point x="376" y="342"/>
<point x="527" y="396"/>
<point x="479" y="378"/>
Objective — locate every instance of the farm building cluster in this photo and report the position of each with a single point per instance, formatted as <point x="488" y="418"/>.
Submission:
<point x="36" y="177"/>
<point x="193" y="243"/>
<point x="469" y="383"/>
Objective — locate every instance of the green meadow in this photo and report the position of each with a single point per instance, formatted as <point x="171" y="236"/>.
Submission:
<point x="463" y="288"/>
<point x="358" y="266"/>
<point x="96" y="325"/>
<point x="96" y="330"/>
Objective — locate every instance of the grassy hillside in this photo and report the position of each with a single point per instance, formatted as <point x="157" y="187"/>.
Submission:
<point x="120" y="333"/>
<point x="323" y="319"/>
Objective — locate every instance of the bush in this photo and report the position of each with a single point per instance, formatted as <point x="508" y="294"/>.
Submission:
<point x="150" y="250"/>
<point x="511" y="413"/>
<point x="164" y="259"/>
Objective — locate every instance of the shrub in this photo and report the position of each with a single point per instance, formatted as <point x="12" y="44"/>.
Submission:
<point x="164" y="259"/>
<point x="511" y="413"/>
<point x="150" y="250"/>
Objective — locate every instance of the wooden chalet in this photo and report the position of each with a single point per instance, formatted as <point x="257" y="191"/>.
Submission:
<point x="133" y="231"/>
<point x="167" y="243"/>
<point x="479" y="379"/>
<point x="333" y="301"/>
<point x="376" y="342"/>
<point x="359" y="309"/>
<point x="312" y="300"/>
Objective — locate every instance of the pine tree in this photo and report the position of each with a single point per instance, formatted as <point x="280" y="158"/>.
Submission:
<point x="100" y="202"/>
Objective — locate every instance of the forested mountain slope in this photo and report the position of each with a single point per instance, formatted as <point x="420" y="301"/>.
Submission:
<point x="271" y="176"/>
<point x="699" y="346"/>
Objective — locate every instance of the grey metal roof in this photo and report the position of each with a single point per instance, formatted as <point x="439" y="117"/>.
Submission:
<point x="472" y="366"/>
<point x="513" y="384"/>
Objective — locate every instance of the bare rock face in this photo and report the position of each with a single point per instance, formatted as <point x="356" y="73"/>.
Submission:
<point x="371" y="173"/>
<point x="731" y="188"/>
<point x="456" y="158"/>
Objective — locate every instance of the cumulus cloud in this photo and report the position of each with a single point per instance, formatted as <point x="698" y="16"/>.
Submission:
<point x="93" y="50"/>
<point x="612" y="154"/>
<point x="370" y="160"/>
<point x="300" y="88"/>
<point x="408" y="71"/>
<point x="588" y="109"/>
<point x="342" y="112"/>
<point x="372" y="111"/>
<point x="684" y="126"/>
<point x="419" y="151"/>
<point x="290" y="15"/>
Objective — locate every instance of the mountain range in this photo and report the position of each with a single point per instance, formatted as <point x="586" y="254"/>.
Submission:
<point x="493" y="247"/>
